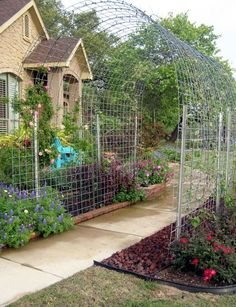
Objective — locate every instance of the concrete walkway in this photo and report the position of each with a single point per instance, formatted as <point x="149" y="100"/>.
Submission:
<point x="47" y="261"/>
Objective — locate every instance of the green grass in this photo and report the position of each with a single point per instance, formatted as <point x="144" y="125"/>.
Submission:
<point x="100" y="287"/>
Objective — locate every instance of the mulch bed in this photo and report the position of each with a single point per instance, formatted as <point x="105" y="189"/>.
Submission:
<point x="151" y="254"/>
<point x="150" y="258"/>
<point x="145" y="257"/>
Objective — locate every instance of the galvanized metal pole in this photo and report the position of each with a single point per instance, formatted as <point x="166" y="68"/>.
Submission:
<point x="218" y="179"/>
<point x="98" y="138"/>
<point x="36" y="155"/>
<point x="135" y="137"/>
<point x="228" y="147"/>
<point x="181" y="174"/>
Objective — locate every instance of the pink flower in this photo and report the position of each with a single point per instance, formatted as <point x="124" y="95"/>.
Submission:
<point x="46" y="87"/>
<point x="36" y="113"/>
<point x="39" y="106"/>
<point x="183" y="240"/>
<point x="49" y="69"/>
<point x="40" y="153"/>
<point x="31" y="124"/>
<point x="195" y="261"/>
<point x="52" y="161"/>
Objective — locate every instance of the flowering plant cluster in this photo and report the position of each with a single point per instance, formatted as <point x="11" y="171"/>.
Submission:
<point x="209" y="251"/>
<point x="22" y="213"/>
<point x="152" y="171"/>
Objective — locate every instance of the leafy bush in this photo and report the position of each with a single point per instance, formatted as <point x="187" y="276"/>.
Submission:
<point x="172" y="154"/>
<point x="152" y="171"/>
<point x="21" y="213"/>
<point x="133" y="194"/>
<point x="210" y="250"/>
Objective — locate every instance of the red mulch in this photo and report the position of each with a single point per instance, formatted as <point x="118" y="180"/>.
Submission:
<point x="145" y="257"/>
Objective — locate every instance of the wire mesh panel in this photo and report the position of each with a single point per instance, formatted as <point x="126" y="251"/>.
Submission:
<point x="86" y="104"/>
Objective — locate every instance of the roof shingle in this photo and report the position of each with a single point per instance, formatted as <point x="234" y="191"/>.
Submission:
<point x="52" y="51"/>
<point x="8" y="8"/>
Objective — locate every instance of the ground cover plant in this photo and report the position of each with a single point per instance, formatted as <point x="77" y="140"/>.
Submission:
<point x="22" y="213"/>
<point x="209" y="252"/>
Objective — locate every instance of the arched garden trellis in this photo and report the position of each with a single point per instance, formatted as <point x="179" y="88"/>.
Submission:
<point x="103" y="90"/>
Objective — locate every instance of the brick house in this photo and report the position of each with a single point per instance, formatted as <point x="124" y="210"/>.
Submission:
<point x="24" y="47"/>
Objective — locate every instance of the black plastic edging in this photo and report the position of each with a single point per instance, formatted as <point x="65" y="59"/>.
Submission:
<point x="214" y="290"/>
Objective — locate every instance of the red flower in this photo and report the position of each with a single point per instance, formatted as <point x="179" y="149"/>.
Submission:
<point x="183" y="240"/>
<point x="227" y="250"/>
<point x="195" y="261"/>
<point x="209" y="238"/>
<point x="208" y="274"/>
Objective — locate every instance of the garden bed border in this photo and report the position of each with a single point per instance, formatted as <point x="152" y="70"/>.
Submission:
<point x="231" y="289"/>
<point x="150" y="193"/>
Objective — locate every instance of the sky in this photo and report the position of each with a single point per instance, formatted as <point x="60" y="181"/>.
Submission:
<point x="220" y="14"/>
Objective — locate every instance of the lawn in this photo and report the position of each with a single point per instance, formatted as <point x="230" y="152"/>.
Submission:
<point x="100" y="287"/>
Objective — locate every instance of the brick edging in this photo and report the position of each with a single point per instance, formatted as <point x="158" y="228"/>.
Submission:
<point x="151" y="192"/>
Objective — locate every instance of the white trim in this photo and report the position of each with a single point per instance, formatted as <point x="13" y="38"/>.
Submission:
<point x="40" y="19"/>
<point x="37" y="65"/>
<point x="10" y="21"/>
<point x="80" y="42"/>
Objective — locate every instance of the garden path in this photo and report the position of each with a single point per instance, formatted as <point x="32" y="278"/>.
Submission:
<point x="47" y="261"/>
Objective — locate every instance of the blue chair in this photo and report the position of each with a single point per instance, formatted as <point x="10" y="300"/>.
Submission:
<point x="67" y="154"/>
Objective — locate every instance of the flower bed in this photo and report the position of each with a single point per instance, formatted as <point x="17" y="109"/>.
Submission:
<point x="202" y="267"/>
<point x="23" y="214"/>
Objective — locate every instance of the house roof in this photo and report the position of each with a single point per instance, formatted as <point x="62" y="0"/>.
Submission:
<point x="52" y="51"/>
<point x="56" y="53"/>
<point x="11" y="10"/>
<point x="8" y="8"/>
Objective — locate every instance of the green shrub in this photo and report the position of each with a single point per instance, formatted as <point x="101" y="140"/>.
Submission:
<point x="21" y="214"/>
<point x="210" y="250"/>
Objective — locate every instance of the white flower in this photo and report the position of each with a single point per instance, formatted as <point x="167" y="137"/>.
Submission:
<point x="62" y="127"/>
<point x="86" y="127"/>
<point x="5" y="191"/>
<point x="26" y="211"/>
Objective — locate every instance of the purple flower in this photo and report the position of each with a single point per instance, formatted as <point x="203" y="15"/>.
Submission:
<point x="5" y="216"/>
<point x="60" y="218"/>
<point x="11" y="212"/>
<point x="37" y="208"/>
<point x="52" y="205"/>
<point x="32" y="194"/>
<point x="22" y="228"/>
<point x="44" y="222"/>
<point x="11" y="220"/>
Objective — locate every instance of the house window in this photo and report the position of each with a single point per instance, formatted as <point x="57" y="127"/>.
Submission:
<point x="65" y="108"/>
<point x="26" y="27"/>
<point x="9" y="89"/>
<point x="66" y="88"/>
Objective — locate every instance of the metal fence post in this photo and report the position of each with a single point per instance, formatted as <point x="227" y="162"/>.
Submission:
<point x="228" y="147"/>
<point x="36" y="155"/>
<point x="135" y="137"/>
<point x="98" y="138"/>
<point x="218" y="179"/>
<point x="181" y="173"/>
